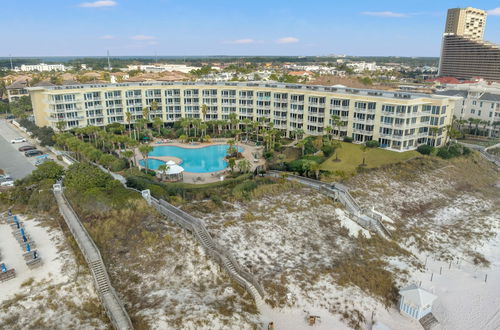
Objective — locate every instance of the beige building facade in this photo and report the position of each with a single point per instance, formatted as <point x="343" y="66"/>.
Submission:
<point x="466" y="22"/>
<point x="399" y="121"/>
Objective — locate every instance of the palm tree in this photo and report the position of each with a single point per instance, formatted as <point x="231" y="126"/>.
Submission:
<point x="128" y="119"/>
<point x="163" y="168"/>
<point x="196" y="124"/>
<point x="244" y="165"/>
<point x="154" y="106"/>
<point x="128" y="154"/>
<point x="204" y="110"/>
<point x="434" y="132"/>
<point x="157" y="123"/>
<point x="255" y="128"/>
<point x="337" y="123"/>
<point x="314" y="167"/>
<point x="231" y="162"/>
<point x="328" y="130"/>
<point x="203" y="129"/>
<point x="145" y="114"/>
<point x="231" y="150"/>
<point x="233" y="120"/>
<point x="301" y="144"/>
<point x="145" y="149"/>
<point x="246" y="122"/>
<point x="61" y="125"/>
<point x="337" y="145"/>
<point x="364" y="148"/>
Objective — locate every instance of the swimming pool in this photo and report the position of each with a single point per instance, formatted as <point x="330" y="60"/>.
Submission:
<point x="196" y="160"/>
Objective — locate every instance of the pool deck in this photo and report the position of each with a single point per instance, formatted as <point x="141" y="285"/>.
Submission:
<point x="190" y="177"/>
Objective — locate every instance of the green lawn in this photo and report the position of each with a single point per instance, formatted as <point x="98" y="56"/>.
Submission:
<point x="351" y="156"/>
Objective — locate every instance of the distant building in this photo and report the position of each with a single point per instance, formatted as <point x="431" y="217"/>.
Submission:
<point x="363" y="66"/>
<point x="162" y="67"/>
<point x="415" y="302"/>
<point x="464" y="53"/>
<point x="41" y="67"/>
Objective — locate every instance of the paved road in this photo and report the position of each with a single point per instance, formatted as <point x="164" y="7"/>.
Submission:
<point x="11" y="160"/>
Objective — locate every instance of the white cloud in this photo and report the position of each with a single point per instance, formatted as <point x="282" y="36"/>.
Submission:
<point x="107" y="36"/>
<point x="142" y="37"/>
<point x="494" y="12"/>
<point x="287" y="40"/>
<point x="97" y="4"/>
<point x="243" y="41"/>
<point x="384" y="14"/>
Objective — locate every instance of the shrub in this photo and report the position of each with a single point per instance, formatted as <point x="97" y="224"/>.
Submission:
<point x="452" y="150"/>
<point x="81" y="177"/>
<point x="48" y="170"/>
<point x="372" y="144"/>
<point x="118" y="165"/>
<point x="328" y="149"/>
<point x="268" y="154"/>
<point x="348" y="139"/>
<point x="425" y="149"/>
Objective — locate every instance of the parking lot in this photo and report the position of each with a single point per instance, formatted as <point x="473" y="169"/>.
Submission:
<point x="12" y="161"/>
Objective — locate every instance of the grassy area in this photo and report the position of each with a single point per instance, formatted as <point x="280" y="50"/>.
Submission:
<point x="351" y="156"/>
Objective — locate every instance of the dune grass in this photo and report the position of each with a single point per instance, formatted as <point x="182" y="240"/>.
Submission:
<point x="351" y="156"/>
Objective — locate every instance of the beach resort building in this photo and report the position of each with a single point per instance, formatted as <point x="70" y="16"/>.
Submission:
<point x="398" y="120"/>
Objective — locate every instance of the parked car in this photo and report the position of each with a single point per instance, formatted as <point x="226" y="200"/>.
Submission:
<point x="10" y="117"/>
<point x="7" y="184"/>
<point x="32" y="153"/>
<point x="18" y="140"/>
<point x="26" y="148"/>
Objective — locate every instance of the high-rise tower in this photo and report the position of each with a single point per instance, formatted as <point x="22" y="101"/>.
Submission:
<point x="464" y="54"/>
<point x="466" y="22"/>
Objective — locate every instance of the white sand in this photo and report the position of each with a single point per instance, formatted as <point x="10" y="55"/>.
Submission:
<point x="12" y="256"/>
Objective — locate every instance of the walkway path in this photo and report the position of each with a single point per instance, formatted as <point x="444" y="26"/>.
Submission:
<point x="112" y="304"/>
<point x="368" y="219"/>
<point x="484" y="152"/>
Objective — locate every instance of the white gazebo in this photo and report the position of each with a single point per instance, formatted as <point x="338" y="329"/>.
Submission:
<point x="416" y="302"/>
<point x="173" y="172"/>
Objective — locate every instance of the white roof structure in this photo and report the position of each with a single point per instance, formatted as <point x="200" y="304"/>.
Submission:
<point x="173" y="169"/>
<point x="417" y="295"/>
<point x="170" y="163"/>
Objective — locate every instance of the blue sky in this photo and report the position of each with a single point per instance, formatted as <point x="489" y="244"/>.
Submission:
<point x="229" y="27"/>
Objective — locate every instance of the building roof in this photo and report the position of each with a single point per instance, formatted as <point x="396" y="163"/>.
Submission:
<point x="490" y="97"/>
<point x="417" y="295"/>
<point x="454" y="92"/>
<point x="292" y="88"/>
<point x="43" y="84"/>
<point x="446" y="80"/>
<point x="18" y="84"/>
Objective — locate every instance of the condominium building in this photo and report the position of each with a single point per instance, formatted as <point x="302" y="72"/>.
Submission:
<point x="479" y="101"/>
<point x="400" y="121"/>
<point x="464" y="53"/>
<point x="466" y="22"/>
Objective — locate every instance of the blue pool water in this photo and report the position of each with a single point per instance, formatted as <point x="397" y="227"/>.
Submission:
<point x="198" y="160"/>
